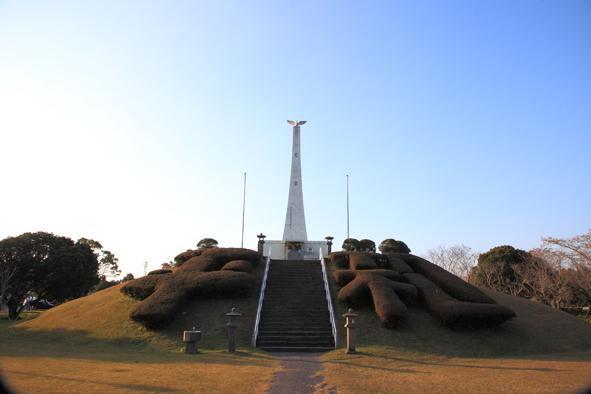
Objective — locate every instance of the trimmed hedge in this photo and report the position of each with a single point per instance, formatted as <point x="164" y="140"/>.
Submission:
<point x="343" y="277"/>
<point x="142" y="287"/>
<point x="398" y="264"/>
<point x="379" y="286"/>
<point x="454" y="313"/>
<point x="450" y="283"/>
<point x="359" y="261"/>
<point x="165" y="293"/>
<point x="390" y="310"/>
<point x="238" y="265"/>
<point x="160" y="271"/>
<point x="183" y="257"/>
<point x="345" y="260"/>
<point x="160" y="308"/>
<point x="340" y="259"/>
<point x="213" y="259"/>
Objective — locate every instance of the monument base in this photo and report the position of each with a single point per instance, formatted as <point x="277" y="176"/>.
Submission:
<point x="295" y="250"/>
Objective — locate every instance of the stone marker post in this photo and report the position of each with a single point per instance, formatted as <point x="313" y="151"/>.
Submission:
<point x="350" y="326"/>
<point x="190" y="338"/>
<point x="232" y="329"/>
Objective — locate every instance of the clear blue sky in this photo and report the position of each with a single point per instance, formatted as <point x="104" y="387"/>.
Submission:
<point x="132" y="122"/>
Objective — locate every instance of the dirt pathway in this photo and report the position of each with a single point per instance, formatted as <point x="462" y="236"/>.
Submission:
<point x="299" y="374"/>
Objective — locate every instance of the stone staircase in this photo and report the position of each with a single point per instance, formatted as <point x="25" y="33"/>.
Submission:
<point x="295" y="316"/>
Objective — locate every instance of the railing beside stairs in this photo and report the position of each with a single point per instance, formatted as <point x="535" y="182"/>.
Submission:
<point x="261" y="297"/>
<point x="328" y="299"/>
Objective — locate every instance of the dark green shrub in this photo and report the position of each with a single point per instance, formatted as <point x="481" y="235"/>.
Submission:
<point x="498" y="268"/>
<point x="238" y="265"/>
<point x="207" y="243"/>
<point x="454" y="313"/>
<point x="351" y="245"/>
<point x="450" y="283"/>
<point x="391" y="245"/>
<point x="367" y="245"/>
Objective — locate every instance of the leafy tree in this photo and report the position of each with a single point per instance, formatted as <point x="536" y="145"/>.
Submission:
<point x="367" y="245"/>
<point x="500" y="268"/>
<point x="391" y="245"/>
<point x="45" y="266"/>
<point x="351" y="244"/>
<point x="206" y="243"/>
<point x="128" y="277"/>
<point x="108" y="263"/>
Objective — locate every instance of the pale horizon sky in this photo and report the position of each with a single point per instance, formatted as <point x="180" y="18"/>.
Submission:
<point x="133" y="122"/>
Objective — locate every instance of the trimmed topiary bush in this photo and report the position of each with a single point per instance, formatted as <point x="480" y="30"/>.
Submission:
<point x="359" y="261"/>
<point x="362" y="287"/>
<point x="182" y="257"/>
<point x="450" y="283"/>
<point x="160" y="271"/>
<point x="391" y="245"/>
<point x="367" y="245"/>
<point x="238" y="265"/>
<point x="340" y="259"/>
<point x="397" y="264"/>
<point x="391" y="290"/>
<point x="350" y="245"/>
<point x="454" y="313"/>
<point x="164" y="294"/>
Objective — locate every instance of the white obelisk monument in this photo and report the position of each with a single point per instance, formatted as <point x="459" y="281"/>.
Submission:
<point x="295" y="244"/>
<point x="295" y="220"/>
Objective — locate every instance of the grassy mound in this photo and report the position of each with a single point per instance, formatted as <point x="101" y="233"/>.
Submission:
<point x="537" y="329"/>
<point x="103" y="317"/>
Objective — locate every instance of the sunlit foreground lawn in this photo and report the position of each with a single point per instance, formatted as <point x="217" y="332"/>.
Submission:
<point x="89" y="369"/>
<point x="55" y="361"/>
<point x="383" y="370"/>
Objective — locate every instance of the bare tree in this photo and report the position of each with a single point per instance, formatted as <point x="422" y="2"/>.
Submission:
<point x="575" y="250"/>
<point x="457" y="259"/>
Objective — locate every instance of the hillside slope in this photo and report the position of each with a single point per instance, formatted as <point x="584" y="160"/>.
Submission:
<point x="104" y="316"/>
<point x="537" y="329"/>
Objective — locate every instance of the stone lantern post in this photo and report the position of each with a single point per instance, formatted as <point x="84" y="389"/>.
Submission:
<point x="261" y="243"/>
<point x="350" y="326"/>
<point x="190" y="338"/>
<point x="232" y="329"/>
<point x="329" y="243"/>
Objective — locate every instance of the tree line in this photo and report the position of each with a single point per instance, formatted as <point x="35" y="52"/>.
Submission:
<point x="43" y="266"/>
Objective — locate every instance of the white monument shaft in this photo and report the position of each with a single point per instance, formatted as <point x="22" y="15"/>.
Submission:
<point x="295" y="220"/>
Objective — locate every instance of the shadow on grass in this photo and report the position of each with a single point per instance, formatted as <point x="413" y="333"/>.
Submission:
<point x="411" y="361"/>
<point x="133" y="387"/>
<point x="19" y="342"/>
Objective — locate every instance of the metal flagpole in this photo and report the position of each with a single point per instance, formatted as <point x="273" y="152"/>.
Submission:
<point x="347" y="205"/>
<point x="243" y="208"/>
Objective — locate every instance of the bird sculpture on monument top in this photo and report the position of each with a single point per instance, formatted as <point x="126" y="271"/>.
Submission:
<point x="296" y="122"/>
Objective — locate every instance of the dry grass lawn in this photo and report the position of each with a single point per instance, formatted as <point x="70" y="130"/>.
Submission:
<point x="541" y="350"/>
<point x="381" y="370"/>
<point x="113" y="371"/>
<point x="90" y="345"/>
